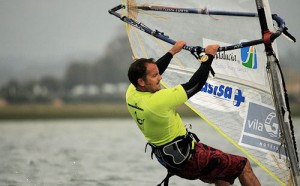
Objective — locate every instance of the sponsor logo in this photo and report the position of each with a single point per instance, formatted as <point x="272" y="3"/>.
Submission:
<point x="226" y="56"/>
<point x="261" y="129"/>
<point x="249" y="57"/>
<point x="268" y="126"/>
<point x="262" y="121"/>
<point x="225" y="92"/>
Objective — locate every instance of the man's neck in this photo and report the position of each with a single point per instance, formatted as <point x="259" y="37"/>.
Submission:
<point x="141" y="89"/>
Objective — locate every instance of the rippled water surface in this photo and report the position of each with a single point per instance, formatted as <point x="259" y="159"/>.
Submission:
<point x="90" y="152"/>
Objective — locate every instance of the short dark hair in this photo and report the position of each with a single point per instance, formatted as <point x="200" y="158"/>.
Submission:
<point x="138" y="69"/>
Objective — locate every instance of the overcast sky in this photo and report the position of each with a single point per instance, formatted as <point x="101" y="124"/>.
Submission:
<point x="60" y="29"/>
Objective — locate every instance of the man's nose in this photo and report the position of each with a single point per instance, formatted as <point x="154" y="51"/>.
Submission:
<point x="159" y="77"/>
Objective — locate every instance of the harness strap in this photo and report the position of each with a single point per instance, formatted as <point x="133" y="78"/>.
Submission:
<point x="152" y="149"/>
<point x="166" y="180"/>
<point x="194" y="136"/>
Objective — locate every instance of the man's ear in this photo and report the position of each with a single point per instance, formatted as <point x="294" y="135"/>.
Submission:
<point x="141" y="82"/>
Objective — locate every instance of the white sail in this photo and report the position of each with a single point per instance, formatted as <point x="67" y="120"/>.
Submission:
<point x="238" y="100"/>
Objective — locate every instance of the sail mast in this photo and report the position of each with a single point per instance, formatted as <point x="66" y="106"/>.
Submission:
<point x="282" y="111"/>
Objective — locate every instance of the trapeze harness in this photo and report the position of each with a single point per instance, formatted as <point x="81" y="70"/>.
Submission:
<point x="174" y="154"/>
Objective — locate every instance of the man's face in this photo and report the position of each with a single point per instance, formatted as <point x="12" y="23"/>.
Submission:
<point x="151" y="83"/>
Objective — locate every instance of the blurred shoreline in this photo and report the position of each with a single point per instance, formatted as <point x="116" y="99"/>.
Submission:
<point x="83" y="111"/>
<point x="72" y="111"/>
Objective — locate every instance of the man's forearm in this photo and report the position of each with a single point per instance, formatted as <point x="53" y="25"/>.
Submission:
<point x="199" y="78"/>
<point x="163" y="62"/>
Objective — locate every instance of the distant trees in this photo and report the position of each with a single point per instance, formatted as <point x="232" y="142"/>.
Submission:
<point x="111" y="68"/>
<point x="78" y="73"/>
<point x="108" y="70"/>
<point x="33" y="91"/>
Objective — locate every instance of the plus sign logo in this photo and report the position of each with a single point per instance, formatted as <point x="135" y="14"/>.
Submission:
<point x="224" y="92"/>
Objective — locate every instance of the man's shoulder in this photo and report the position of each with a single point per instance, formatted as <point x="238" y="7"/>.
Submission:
<point x="131" y="88"/>
<point x="177" y="88"/>
<point x="171" y="96"/>
<point x="133" y="94"/>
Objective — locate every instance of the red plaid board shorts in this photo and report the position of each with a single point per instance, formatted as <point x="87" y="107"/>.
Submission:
<point x="209" y="165"/>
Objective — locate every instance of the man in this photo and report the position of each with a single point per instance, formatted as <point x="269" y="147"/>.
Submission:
<point x="178" y="150"/>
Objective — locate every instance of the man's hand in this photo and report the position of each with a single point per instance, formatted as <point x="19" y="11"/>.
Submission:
<point x="177" y="47"/>
<point x="212" y="49"/>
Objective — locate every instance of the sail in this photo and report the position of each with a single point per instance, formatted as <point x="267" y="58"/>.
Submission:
<point x="238" y="101"/>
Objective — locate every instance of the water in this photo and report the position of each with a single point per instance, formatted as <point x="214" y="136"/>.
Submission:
<point x="102" y="152"/>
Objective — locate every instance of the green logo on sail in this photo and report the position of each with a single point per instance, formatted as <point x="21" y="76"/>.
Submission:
<point x="249" y="57"/>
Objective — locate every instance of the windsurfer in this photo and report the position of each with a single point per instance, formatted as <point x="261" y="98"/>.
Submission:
<point x="177" y="149"/>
